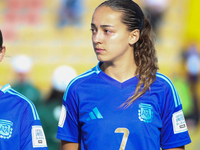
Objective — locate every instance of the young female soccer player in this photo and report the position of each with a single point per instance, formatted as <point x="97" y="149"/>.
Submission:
<point x="122" y="103"/>
<point x="20" y="127"/>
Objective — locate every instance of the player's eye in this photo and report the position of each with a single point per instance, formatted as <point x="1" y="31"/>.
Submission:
<point x="107" y="31"/>
<point x="93" y="30"/>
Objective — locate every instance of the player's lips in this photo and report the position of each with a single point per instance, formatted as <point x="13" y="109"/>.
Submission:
<point x="99" y="50"/>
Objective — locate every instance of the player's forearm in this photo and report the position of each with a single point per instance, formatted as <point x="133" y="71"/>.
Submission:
<point x="69" y="146"/>
<point x="178" y="148"/>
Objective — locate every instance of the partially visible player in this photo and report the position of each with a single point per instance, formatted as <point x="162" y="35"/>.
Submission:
<point x="20" y="127"/>
<point x="123" y="103"/>
<point x="49" y="112"/>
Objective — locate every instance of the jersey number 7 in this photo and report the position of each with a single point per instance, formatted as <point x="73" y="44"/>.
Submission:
<point x="125" y="137"/>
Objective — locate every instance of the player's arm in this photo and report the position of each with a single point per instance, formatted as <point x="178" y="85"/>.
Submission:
<point x="69" y="145"/>
<point x="178" y="148"/>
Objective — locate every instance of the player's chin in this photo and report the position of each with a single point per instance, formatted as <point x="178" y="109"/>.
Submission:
<point x="101" y="58"/>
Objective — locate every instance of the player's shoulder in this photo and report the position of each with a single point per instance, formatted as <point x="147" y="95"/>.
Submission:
<point x="85" y="77"/>
<point x="169" y="88"/>
<point x="15" y="97"/>
<point x="163" y="80"/>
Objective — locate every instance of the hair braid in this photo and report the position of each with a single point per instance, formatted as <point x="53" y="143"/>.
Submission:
<point x="146" y="61"/>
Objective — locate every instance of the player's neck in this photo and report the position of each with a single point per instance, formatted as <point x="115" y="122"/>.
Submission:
<point x="120" y="72"/>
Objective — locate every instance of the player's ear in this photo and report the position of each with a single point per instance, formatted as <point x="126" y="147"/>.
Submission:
<point x="134" y="36"/>
<point x="2" y="53"/>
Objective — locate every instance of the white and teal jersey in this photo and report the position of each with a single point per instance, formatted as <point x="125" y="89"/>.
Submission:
<point x="91" y="114"/>
<point x="20" y="127"/>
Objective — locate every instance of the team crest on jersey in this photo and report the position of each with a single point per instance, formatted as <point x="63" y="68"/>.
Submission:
<point x="145" y="112"/>
<point x="6" y="128"/>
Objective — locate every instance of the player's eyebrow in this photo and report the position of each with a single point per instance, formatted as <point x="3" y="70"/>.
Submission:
<point x="93" y="25"/>
<point x="106" y="26"/>
<point x="103" y="26"/>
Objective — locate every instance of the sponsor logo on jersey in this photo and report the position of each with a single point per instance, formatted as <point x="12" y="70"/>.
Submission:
<point x="179" y="124"/>
<point x="6" y="128"/>
<point x="94" y="114"/>
<point x="145" y="112"/>
<point x="38" y="137"/>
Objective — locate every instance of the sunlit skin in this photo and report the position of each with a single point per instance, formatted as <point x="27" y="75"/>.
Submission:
<point x="113" y="43"/>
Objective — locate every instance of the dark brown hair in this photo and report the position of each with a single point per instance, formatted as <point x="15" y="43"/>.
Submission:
<point x="144" y="50"/>
<point x="1" y="41"/>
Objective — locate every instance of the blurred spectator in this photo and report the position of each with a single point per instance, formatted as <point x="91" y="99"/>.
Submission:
<point x="22" y="66"/>
<point x="70" y="13"/>
<point x="49" y="112"/>
<point x="192" y="63"/>
<point x="182" y="87"/>
<point x="20" y="12"/>
<point x="155" y="9"/>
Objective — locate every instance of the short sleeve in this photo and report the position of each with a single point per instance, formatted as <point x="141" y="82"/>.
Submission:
<point x="68" y="127"/>
<point x="174" y="132"/>
<point x="32" y="135"/>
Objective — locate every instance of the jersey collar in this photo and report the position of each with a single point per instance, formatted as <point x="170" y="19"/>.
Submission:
<point x="130" y="82"/>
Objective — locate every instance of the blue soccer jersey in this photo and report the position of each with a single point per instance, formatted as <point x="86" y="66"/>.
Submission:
<point x="91" y="114"/>
<point x="20" y="127"/>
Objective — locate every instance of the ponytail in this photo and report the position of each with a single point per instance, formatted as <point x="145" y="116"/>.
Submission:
<point x="146" y="61"/>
